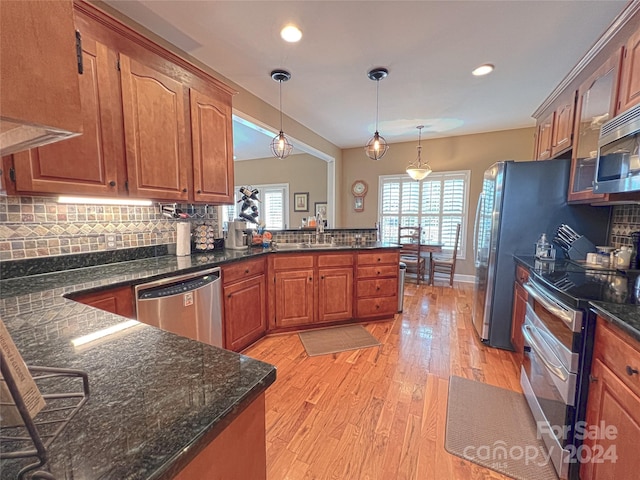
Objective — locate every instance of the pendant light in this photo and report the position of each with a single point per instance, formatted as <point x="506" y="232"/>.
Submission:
<point x="377" y="146"/>
<point x="280" y="145"/>
<point x="417" y="170"/>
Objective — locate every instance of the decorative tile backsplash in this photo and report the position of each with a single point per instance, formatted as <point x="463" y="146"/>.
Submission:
<point x="625" y="221"/>
<point x="33" y="227"/>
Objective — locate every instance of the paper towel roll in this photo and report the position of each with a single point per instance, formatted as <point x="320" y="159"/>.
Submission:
<point x="183" y="239"/>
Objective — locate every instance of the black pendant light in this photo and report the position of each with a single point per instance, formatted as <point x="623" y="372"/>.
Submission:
<point x="280" y="145"/>
<point x="377" y="146"/>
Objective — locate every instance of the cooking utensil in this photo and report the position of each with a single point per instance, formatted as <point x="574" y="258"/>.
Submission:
<point x="575" y="245"/>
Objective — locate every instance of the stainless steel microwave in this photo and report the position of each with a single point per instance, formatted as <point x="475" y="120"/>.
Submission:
<point x="618" y="165"/>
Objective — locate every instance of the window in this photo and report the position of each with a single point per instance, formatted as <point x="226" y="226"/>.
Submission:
<point x="272" y="208"/>
<point x="437" y="204"/>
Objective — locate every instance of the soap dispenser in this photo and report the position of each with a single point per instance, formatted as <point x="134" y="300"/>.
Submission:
<point x="544" y="250"/>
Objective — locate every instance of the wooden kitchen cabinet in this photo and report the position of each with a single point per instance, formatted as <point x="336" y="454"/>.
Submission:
<point x="520" y="298"/>
<point x="155" y="132"/>
<point x="554" y="133"/>
<point x="294" y="290"/>
<point x="377" y="283"/>
<point x="40" y="99"/>
<point x="245" y="303"/>
<point x="93" y="163"/>
<point x="630" y="77"/>
<point x="613" y="406"/>
<point x="596" y="104"/>
<point x="335" y="288"/>
<point x="119" y="300"/>
<point x="212" y="146"/>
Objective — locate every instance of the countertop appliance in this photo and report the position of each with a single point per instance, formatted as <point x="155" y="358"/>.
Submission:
<point x="189" y="305"/>
<point x="618" y="165"/>
<point x="519" y="201"/>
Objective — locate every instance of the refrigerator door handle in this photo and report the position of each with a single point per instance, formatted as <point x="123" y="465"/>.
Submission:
<point x="475" y="228"/>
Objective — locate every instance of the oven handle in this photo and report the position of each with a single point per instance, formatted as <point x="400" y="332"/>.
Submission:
<point x="558" y="370"/>
<point x="553" y="307"/>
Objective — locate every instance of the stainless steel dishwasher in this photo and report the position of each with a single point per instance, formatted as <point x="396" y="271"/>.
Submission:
<point x="188" y="305"/>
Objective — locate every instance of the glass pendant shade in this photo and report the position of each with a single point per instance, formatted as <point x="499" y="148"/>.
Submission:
<point x="376" y="147"/>
<point x="418" y="170"/>
<point x="280" y="146"/>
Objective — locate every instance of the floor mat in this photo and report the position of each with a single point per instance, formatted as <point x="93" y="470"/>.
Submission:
<point x="337" y="339"/>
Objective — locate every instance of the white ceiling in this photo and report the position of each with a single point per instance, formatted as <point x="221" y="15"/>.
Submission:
<point x="429" y="48"/>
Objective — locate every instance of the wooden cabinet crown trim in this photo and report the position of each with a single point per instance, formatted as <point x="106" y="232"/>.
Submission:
<point x="618" y="23"/>
<point x="101" y="14"/>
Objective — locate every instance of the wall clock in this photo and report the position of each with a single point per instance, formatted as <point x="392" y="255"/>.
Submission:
<point x="359" y="190"/>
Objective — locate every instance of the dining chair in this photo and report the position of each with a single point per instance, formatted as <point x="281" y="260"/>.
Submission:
<point x="410" y="251"/>
<point x="445" y="265"/>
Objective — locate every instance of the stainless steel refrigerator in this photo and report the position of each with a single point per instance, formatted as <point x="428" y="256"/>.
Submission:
<point x="519" y="201"/>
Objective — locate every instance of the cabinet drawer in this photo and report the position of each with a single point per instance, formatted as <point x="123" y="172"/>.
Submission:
<point x="617" y="352"/>
<point x="370" y="307"/>
<point x="378" y="271"/>
<point x="242" y="270"/>
<point x="377" y="287"/>
<point x="379" y="258"/>
<point x="335" y="260"/>
<point x="288" y="262"/>
<point x="522" y="274"/>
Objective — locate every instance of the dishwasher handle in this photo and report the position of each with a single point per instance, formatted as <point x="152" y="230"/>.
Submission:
<point x="175" y="286"/>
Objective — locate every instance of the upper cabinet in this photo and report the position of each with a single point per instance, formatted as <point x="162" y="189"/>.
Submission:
<point x="630" y="81"/>
<point x="40" y="101"/>
<point x="596" y="104"/>
<point x="554" y="133"/>
<point x="157" y="127"/>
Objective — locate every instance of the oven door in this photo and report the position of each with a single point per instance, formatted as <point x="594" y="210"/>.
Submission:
<point x="549" y="386"/>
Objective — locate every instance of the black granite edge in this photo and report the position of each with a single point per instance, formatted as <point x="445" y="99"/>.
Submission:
<point x="174" y="465"/>
<point x="625" y="317"/>
<point x="41" y="265"/>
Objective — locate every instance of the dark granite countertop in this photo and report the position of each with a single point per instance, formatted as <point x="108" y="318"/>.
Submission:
<point x="610" y="293"/>
<point x="156" y="399"/>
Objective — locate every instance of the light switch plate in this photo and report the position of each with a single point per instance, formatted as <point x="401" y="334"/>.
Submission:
<point x="110" y="241"/>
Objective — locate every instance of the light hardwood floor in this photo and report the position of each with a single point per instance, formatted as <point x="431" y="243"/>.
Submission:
<point x="379" y="413"/>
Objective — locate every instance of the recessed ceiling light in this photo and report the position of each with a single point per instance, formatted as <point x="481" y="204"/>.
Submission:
<point x="291" y="34"/>
<point x="483" y="70"/>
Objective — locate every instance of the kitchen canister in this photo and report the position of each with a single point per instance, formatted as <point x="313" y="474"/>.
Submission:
<point x="183" y="239"/>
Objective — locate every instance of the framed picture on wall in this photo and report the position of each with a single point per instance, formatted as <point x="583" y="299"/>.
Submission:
<point x="301" y="202"/>
<point x="321" y="208"/>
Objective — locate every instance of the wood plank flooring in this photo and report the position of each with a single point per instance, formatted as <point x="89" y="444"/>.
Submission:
<point x="379" y="413"/>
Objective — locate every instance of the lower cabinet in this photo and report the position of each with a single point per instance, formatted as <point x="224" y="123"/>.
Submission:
<point x="377" y="284"/>
<point x="245" y="300"/>
<point x="613" y="407"/>
<point x="520" y="298"/>
<point x="294" y="297"/>
<point x="335" y="294"/>
<point x="117" y="300"/>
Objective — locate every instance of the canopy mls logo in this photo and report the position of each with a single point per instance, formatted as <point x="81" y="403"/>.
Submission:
<point x="584" y="453"/>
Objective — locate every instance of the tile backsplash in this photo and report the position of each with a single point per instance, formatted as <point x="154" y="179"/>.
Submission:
<point x="625" y="221"/>
<point x="32" y="227"/>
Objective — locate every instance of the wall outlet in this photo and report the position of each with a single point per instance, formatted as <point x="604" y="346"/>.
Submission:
<point x="110" y="241"/>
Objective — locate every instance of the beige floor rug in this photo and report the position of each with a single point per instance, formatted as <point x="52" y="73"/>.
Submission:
<point x="337" y="339"/>
<point x="493" y="427"/>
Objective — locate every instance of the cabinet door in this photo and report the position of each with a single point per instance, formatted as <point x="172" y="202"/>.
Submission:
<point x="335" y="294"/>
<point x="630" y="81"/>
<point x="544" y="138"/>
<point x="245" y="318"/>
<point x="294" y="298"/>
<point x="517" y="319"/>
<point x="563" y="127"/>
<point x="155" y="132"/>
<point x="212" y="144"/>
<point x="596" y="104"/>
<point x="87" y="164"/>
<point x="615" y="411"/>
<point x="115" y="300"/>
